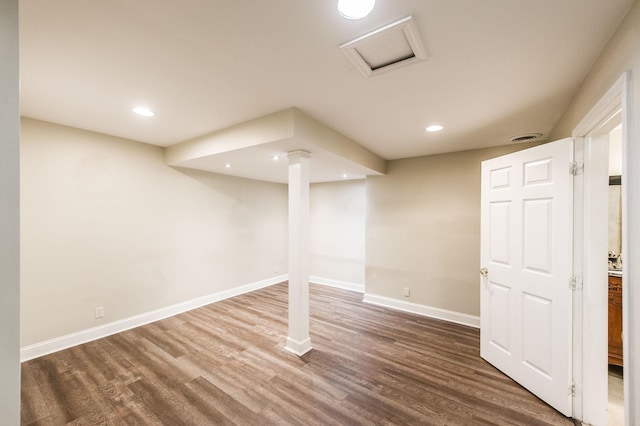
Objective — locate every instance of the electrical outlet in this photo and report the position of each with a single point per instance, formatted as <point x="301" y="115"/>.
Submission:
<point x="99" y="312"/>
<point x="406" y="292"/>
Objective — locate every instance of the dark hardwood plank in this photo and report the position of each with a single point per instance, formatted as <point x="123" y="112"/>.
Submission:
<point x="225" y="364"/>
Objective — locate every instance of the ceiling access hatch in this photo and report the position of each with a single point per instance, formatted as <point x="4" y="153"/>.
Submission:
<point x="387" y="48"/>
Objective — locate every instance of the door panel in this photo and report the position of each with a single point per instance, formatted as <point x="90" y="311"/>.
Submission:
<point x="537" y="342"/>
<point x="526" y="246"/>
<point x="537" y="230"/>
<point x="500" y="238"/>
<point x="500" y="330"/>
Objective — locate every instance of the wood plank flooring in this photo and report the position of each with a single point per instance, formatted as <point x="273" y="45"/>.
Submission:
<point x="225" y="364"/>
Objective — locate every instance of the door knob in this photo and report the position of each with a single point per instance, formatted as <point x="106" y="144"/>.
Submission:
<point x="484" y="272"/>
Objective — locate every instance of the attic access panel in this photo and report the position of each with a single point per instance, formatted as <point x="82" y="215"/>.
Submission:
<point x="387" y="48"/>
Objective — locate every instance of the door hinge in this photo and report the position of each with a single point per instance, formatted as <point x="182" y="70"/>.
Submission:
<point x="572" y="389"/>
<point x="576" y="168"/>
<point x="575" y="283"/>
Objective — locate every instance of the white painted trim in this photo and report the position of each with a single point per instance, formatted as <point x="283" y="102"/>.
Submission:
<point x="84" y="336"/>
<point x="337" y="284"/>
<point x="585" y="341"/>
<point x="590" y="304"/>
<point x="424" y="310"/>
<point x="631" y="250"/>
<point x="298" y="348"/>
<point x="607" y="105"/>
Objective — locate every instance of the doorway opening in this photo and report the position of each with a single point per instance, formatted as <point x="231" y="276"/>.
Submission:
<point x="615" y="406"/>
<point x="597" y="262"/>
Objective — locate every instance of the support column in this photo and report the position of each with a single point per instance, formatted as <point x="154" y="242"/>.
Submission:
<point x="9" y="216"/>
<point x="299" y="341"/>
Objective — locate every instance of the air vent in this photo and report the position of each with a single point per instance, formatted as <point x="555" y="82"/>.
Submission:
<point x="527" y="137"/>
<point x="386" y="48"/>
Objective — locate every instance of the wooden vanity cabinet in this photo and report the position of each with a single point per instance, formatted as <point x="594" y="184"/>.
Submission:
<point x="615" y="320"/>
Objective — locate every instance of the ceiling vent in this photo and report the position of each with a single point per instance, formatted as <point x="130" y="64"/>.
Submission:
<point x="527" y="137"/>
<point x="386" y="48"/>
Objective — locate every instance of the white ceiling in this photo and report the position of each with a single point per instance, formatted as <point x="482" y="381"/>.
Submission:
<point x="494" y="68"/>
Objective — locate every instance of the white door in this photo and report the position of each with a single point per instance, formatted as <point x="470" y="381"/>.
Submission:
<point x="526" y="267"/>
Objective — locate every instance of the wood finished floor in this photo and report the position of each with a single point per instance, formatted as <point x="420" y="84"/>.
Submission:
<point x="225" y="364"/>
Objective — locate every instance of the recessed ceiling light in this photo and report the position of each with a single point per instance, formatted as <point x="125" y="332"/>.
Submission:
<point x="355" y="9"/>
<point x="145" y="112"/>
<point x="344" y="175"/>
<point x="227" y="166"/>
<point x="434" y="128"/>
<point x="275" y="157"/>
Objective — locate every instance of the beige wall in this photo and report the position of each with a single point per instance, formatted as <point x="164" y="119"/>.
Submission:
<point x="621" y="54"/>
<point x="9" y="216"/>
<point x="337" y="231"/>
<point x="106" y="223"/>
<point x="423" y="229"/>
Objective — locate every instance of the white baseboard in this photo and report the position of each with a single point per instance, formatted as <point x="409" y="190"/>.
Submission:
<point x="298" y="348"/>
<point x="428" y="311"/>
<point x="84" y="336"/>
<point x="338" y="284"/>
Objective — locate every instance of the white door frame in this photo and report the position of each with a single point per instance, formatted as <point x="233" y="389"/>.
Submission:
<point x="590" y="304"/>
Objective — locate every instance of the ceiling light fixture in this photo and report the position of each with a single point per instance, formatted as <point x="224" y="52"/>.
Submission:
<point x="434" y="128"/>
<point x="275" y="157"/>
<point x="344" y="175"/>
<point x="355" y="9"/>
<point x="145" y="112"/>
<point x="227" y="166"/>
